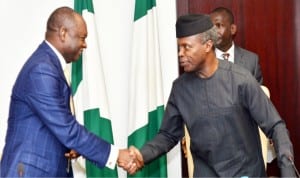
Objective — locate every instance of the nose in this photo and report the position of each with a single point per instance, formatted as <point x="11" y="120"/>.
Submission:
<point x="219" y="31"/>
<point x="180" y="52"/>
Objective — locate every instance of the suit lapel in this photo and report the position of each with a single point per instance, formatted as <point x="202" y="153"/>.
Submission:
<point x="238" y="56"/>
<point x="55" y="61"/>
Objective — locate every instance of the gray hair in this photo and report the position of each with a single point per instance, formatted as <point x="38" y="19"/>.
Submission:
<point x="210" y="34"/>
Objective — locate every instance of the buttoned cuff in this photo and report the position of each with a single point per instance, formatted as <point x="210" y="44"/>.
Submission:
<point x="113" y="156"/>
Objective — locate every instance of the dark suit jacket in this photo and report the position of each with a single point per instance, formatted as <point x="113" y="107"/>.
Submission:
<point x="249" y="61"/>
<point x="41" y="128"/>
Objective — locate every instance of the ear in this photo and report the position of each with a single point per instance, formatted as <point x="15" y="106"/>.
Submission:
<point x="233" y="29"/>
<point x="209" y="45"/>
<point x="62" y="33"/>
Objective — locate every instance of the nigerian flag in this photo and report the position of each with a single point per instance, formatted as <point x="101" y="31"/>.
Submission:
<point x="146" y="104"/>
<point x="88" y="87"/>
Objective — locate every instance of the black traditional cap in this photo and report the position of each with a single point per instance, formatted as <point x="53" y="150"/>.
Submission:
<point x="192" y="24"/>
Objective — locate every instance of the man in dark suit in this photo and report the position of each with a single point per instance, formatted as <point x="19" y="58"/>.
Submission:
<point x="41" y="127"/>
<point x="222" y="105"/>
<point x="224" y="21"/>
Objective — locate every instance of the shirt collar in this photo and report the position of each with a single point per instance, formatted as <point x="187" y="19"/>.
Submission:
<point x="60" y="57"/>
<point x="230" y="51"/>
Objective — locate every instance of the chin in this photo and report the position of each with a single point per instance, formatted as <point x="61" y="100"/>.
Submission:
<point x="187" y="70"/>
<point x="219" y="44"/>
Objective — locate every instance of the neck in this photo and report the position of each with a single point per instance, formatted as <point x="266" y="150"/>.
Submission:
<point x="209" y="68"/>
<point x="226" y="47"/>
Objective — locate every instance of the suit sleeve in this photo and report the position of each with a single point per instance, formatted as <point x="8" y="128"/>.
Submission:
<point x="48" y="96"/>
<point x="171" y="131"/>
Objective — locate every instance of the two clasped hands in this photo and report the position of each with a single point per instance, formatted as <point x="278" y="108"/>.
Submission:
<point x="131" y="160"/>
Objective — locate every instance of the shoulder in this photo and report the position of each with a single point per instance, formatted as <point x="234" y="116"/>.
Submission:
<point x="236" y="71"/>
<point x="245" y="52"/>
<point x="44" y="56"/>
<point x="42" y="61"/>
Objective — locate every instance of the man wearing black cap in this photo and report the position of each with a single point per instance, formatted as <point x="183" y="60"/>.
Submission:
<point x="222" y="105"/>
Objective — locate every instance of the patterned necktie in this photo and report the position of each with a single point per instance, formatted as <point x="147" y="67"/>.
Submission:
<point x="225" y="56"/>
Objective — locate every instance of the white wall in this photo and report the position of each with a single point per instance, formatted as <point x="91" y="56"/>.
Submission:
<point x="23" y="23"/>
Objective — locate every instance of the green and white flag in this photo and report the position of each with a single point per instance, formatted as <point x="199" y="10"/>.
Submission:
<point x="146" y="103"/>
<point x="88" y="87"/>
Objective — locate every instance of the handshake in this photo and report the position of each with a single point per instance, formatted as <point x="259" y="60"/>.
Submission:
<point x="131" y="160"/>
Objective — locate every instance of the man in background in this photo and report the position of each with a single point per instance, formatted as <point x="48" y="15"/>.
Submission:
<point x="226" y="49"/>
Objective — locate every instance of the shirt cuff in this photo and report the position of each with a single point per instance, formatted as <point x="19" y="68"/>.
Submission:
<point x="113" y="156"/>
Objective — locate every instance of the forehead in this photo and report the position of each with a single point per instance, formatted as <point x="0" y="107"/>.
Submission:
<point x="189" y="39"/>
<point x="80" y="25"/>
<point x="219" y="16"/>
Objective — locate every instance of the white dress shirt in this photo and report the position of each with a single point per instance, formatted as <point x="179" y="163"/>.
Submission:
<point x="230" y="51"/>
